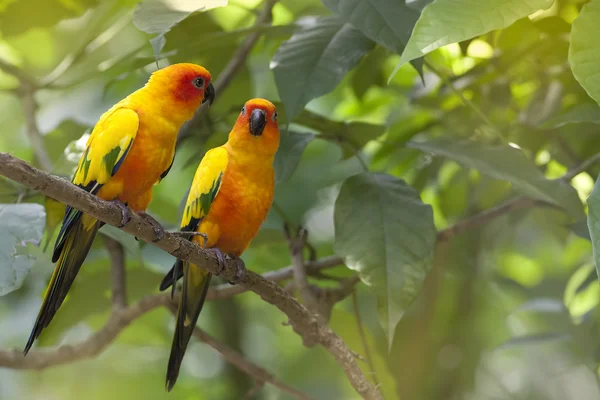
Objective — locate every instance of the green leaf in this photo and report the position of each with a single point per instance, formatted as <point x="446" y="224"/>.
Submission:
<point x="509" y="164"/>
<point x="449" y="21"/>
<point x="351" y="136"/>
<point x="20" y="224"/>
<point x="315" y="59"/>
<point x="159" y="16"/>
<point x="291" y="147"/>
<point x="387" y="234"/>
<point x="388" y="22"/>
<point x="584" y="52"/>
<point x="581" y="113"/>
<point x="593" y="221"/>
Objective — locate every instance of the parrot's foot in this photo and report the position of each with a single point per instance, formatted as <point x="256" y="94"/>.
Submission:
<point x="220" y="258"/>
<point x="240" y="271"/>
<point x="159" y="231"/>
<point x="125" y="212"/>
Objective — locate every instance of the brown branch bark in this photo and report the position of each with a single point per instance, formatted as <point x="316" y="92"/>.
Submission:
<point x="297" y="244"/>
<point x="117" y="272"/>
<point x="260" y="375"/>
<point x="301" y="320"/>
<point x="232" y="68"/>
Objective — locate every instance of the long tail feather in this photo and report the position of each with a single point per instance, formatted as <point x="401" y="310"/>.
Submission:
<point x="195" y="286"/>
<point x="73" y="250"/>
<point x="172" y="276"/>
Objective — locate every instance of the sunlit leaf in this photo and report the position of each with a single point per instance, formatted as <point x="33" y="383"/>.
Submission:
<point x="509" y="164"/>
<point x="20" y="224"/>
<point x="449" y="21"/>
<point x="386" y="233"/>
<point x="159" y="16"/>
<point x="315" y="59"/>
<point x="584" y="54"/>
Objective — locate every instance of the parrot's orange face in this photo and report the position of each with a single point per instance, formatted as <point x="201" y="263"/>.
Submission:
<point x="256" y="130"/>
<point x="187" y="85"/>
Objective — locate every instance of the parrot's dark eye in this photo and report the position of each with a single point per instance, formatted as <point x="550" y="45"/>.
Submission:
<point x="275" y="116"/>
<point x="198" y="82"/>
<point x="244" y="110"/>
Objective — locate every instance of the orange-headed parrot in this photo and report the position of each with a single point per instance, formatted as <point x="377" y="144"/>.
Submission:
<point x="230" y="197"/>
<point x="130" y="149"/>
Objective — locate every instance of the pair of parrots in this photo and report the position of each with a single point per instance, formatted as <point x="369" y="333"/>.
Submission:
<point x="131" y="148"/>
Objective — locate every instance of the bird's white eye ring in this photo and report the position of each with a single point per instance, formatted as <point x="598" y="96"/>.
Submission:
<point x="275" y="116"/>
<point x="244" y="110"/>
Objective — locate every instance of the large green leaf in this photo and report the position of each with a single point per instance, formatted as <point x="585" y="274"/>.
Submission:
<point x="449" y="21"/>
<point x="388" y="22"/>
<point x="509" y="164"/>
<point x="584" y="52"/>
<point x="315" y="59"/>
<point x="291" y="147"/>
<point x="159" y="16"/>
<point x="387" y="234"/>
<point x="593" y="219"/>
<point x="20" y="224"/>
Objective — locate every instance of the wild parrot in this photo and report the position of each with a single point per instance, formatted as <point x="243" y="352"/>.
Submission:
<point x="131" y="148"/>
<point x="230" y="196"/>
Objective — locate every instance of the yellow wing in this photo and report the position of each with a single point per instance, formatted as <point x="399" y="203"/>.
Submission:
<point x="204" y="189"/>
<point x="106" y="149"/>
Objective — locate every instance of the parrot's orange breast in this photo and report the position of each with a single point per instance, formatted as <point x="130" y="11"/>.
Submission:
<point x="240" y="207"/>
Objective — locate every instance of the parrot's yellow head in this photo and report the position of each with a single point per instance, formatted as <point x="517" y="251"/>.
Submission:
<point x="183" y="86"/>
<point x="256" y="130"/>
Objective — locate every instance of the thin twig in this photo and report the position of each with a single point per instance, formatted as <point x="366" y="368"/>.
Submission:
<point x="16" y="72"/>
<point x="27" y="94"/>
<point x="584" y="165"/>
<point x="486" y="216"/>
<point x="117" y="272"/>
<point x="232" y="68"/>
<point x="296" y="245"/>
<point x="236" y="359"/>
<point x="363" y="337"/>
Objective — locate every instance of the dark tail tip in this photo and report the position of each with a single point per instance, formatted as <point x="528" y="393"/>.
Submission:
<point x="30" y="341"/>
<point x="172" y="374"/>
<point x="166" y="282"/>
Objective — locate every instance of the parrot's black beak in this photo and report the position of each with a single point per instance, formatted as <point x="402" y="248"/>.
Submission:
<point x="209" y="94"/>
<point x="258" y="120"/>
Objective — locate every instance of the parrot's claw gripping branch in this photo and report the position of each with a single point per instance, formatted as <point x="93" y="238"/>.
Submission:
<point x="159" y="231"/>
<point x="221" y="261"/>
<point x="126" y="215"/>
<point x="240" y="271"/>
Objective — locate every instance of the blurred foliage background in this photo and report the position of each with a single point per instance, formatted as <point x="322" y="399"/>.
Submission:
<point x="507" y="309"/>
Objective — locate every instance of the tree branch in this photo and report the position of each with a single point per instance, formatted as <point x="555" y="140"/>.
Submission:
<point x="301" y="320"/>
<point x="296" y="245"/>
<point x="259" y="374"/>
<point x="232" y="68"/>
<point x="117" y="272"/>
<point x="26" y="93"/>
